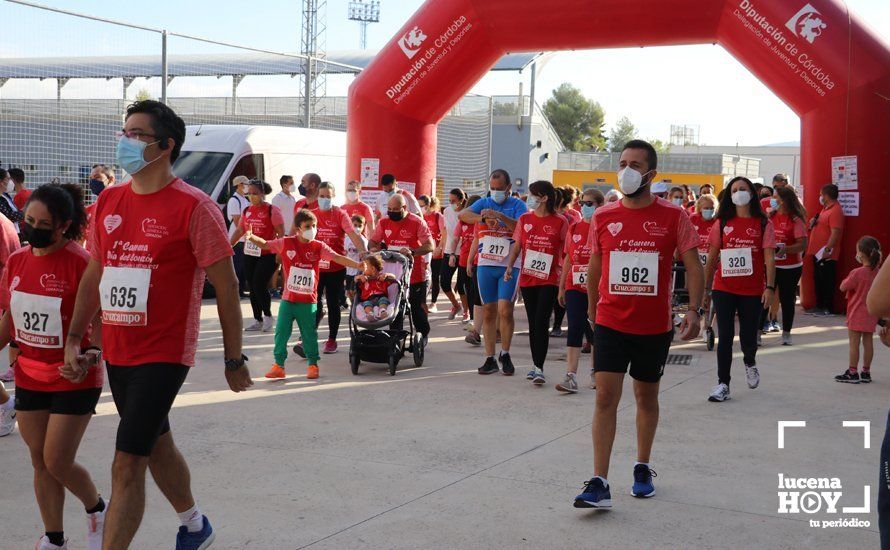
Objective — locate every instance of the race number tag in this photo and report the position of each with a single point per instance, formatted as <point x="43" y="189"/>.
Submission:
<point x="37" y="319"/>
<point x="780" y="252"/>
<point x="579" y="275"/>
<point x="301" y="281"/>
<point x="495" y="249"/>
<point x="537" y="264"/>
<point x="633" y="273"/>
<point x="252" y="249"/>
<point x="124" y="295"/>
<point x="703" y="258"/>
<point x="736" y="262"/>
<point x="324" y="264"/>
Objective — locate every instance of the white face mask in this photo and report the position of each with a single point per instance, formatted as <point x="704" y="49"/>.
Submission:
<point x="821" y="200"/>
<point x="291" y="188"/>
<point x="707" y="213"/>
<point x="10" y="186"/>
<point x="741" y="198"/>
<point x="351" y="196"/>
<point x="630" y="181"/>
<point x="309" y="234"/>
<point x="678" y="202"/>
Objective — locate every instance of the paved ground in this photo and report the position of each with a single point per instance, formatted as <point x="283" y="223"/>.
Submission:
<point x="440" y="457"/>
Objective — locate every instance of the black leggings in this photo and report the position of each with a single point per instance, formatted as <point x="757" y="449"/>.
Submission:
<point x="333" y="285"/>
<point x="467" y="286"/>
<point x="538" y="305"/>
<point x="824" y="277"/>
<point x="238" y="261"/>
<point x="258" y="272"/>
<point x="748" y="308"/>
<point x="559" y="315"/>
<point x="447" y="273"/>
<point x="579" y="327"/>
<point x="417" y="297"/>
<point x="786" y="285"/>
<point x="436" y="267"/>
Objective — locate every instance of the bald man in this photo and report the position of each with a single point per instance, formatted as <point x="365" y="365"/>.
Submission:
<point x="407" y="233"/>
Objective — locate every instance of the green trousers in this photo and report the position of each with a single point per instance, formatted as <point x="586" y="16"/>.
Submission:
<point x="304" y="315"/>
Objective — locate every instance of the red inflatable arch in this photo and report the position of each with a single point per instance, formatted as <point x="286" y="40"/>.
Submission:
<point x="823" y="62"/>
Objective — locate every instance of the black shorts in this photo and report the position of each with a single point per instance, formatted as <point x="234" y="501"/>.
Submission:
<point x="143" y="396"/>
<point x="350" y="283"/>
<point x="646" y="354"/>
<point x="74" y="402"/>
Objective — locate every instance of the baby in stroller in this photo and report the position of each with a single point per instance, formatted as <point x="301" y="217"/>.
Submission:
<point x="377" y="289"/>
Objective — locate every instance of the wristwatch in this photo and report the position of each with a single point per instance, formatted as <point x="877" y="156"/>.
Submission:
<point x="235" y="364"/>
<point x="701" y="312"/>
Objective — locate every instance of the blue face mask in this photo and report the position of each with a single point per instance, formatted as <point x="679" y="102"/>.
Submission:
<point x="324" y="204"/>
<point x="498" y="196"/>
<point x="587" y="212"/>
<point x="532" y="202"/>
<point x="129" y="154"/>
<point x="96" y="187"/>
<point x="707" y="213"/>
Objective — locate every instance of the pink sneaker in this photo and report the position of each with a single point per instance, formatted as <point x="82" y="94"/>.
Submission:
<point x="454" y="311"/>
<point x="8" y="376"/>
<point x="330" y="346"/>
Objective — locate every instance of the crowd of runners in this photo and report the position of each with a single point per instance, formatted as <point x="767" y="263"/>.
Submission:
<point x="115" y="291"/>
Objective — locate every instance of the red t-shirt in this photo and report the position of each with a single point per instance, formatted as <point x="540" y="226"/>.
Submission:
<point x="573" y="215"/>
<point x="21" y="198"/>
<point x="333" y="225"/>
<point x="9" y="240"/>
<point x="261" y="219"/>
<point x="578" y="251"/>
<point x="747" y="269"/>
<point x="39" y="293"/>
<point x="788" y="229"/>
<point x="542" y="239"/>
<point x="301" y="204"/>
<point x="830" y="218"/>
<point x="374" y="288"/>
<point x="151" y="313"/>
<point x="362" y="209"/>
<point x="433" y="220"/>
<point x="410" y="232"/>
<point x="464" y="232"/>
<point x="637" y="248"/>
<point x="856" y="287"/>
<point x="703" y="230"/>
<point x="301" y="263"/>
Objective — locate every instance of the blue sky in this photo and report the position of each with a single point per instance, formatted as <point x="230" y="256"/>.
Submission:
<point x="696" y="85"/>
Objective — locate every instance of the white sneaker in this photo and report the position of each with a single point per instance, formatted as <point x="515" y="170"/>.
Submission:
<point x="95" y="529"/>
<point x="786" y="339"/>
<point x="753" y="376"/>
<point x="719" y="393"/>
<point x="433" y="309"/>
<point x="8" y="376"/>
<point x="45" y="544"/>
<point x="257" y="326"/>
<point x="268" y="324"/>
<point x="7" y="418"/>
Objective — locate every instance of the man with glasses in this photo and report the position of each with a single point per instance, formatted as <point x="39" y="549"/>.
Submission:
<point x="390" y="189"/>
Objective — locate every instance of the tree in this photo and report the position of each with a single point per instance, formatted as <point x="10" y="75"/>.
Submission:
<point x="660" y="146"/>
<point x="143" y="94"/>
<point x="577" y="120"/>
<point x="621" y="133"/>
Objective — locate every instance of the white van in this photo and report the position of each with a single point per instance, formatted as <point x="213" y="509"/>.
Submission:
<point x="213" y="155"/>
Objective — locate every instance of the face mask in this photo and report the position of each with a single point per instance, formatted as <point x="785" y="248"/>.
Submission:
<point x="708" y="214"/>
<point x="291" y="188"/>
<point x="129" y="154"/>
<point x="96" y="187"/>
<point x="301" y="190"/>
<point x="10" y="186"/>
<point x="498" y="196"/>
<point x="773" y="203"/>
<point x="678" y="202"/>
<point x="587" y="211"/>
<point x="741" y="198"/>
<point x="532" y="202"/>
<point x="37" y="238"/>
<point x="358" y="229"/>
<point x="324" y="204"/>
<point x="391" y="192"/>
<point x="395" y="216"/>
<point x="821" y="200"/>
<point x="630" y="181"/>
<point x="351" y="196"/>
<point x="309" y="234"/>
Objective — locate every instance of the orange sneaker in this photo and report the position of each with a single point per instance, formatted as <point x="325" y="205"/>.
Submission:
<point x="312" y="372"/>
<point x="275" y="372"/>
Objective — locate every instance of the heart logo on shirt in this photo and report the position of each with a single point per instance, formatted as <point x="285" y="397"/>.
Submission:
<point x="388" y="232"/>
<point x="728" y="229"/>
<point x="46" y="277"/>
<point x="112" y="222"/>
<point x="647" y="226"/>
<point x="15" y="282"/>
<point x="576" y="238"/>
<point x="527" y="227"/>
<point x="291" y="254"/>
<point x="751" y="232"/>
<point x="247" y="214"/>
<point x="615" y="228"/>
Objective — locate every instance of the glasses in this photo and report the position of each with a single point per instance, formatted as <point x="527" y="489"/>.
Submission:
<point x="133" y="134"/>
<point x="587" y="203"/>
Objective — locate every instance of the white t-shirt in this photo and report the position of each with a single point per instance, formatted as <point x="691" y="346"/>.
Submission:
<point x="451" y="222"/>
<point x="353" y="254"/>
<point x="285" y="203"/>
<point x="235" y="207"/>
<point x="411" y="200"/>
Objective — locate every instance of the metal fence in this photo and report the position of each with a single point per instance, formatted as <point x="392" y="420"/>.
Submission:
<point x="65" y="82"/>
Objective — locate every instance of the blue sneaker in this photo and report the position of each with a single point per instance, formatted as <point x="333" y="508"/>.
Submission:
<point x="530" y="375"/>
<point x="595" y="495"/>
<point x="195" y="541"/>
<point x="643" y="487"/>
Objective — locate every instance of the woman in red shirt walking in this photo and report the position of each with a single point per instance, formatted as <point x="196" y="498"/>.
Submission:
<point x="540" y="238"/>
<point x="789" y="223"/>
<point x="742" y="255"/>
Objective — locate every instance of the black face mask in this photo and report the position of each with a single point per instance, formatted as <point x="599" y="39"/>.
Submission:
<point x="96" y="187"/>
<point x="396" y="216"/>
<point x="301" y="190"/>
<point x="38" y="238"/>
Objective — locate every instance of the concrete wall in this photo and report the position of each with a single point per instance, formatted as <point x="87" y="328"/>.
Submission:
<point x="515" y="149"/>
<point x="773" y="159"/>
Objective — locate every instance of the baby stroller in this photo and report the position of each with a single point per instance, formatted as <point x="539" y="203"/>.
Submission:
<point x="680" y="299"/>
<point x="385" y="340"/>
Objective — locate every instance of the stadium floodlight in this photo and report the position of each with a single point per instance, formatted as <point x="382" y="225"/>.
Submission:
<point x="364" y="13"/>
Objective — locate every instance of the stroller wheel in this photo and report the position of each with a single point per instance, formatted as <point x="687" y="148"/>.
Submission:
<point x="417" y="349"/>
<point x="354" y="361"/>
<point x="710" y="339"/>
<point x="393" y="363"/>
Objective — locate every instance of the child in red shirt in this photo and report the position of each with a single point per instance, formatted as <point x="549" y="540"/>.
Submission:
<point x="375" y="288"/>
<point x="860" y="324"/>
